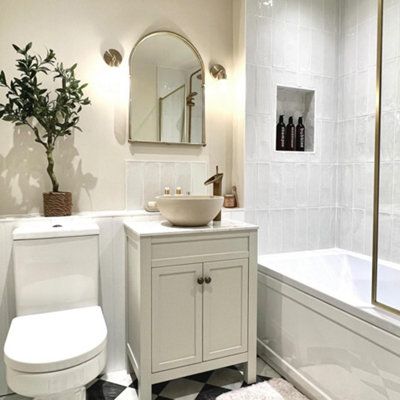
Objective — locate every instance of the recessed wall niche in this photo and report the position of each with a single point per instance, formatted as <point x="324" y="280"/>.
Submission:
<point x="296" y="102"/>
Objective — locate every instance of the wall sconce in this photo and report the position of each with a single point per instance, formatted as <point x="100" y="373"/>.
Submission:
<point x="218" y="71"/>
<point x="112" y="57"/>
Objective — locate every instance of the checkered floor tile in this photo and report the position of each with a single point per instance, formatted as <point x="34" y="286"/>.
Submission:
<point x="204" y="386"/>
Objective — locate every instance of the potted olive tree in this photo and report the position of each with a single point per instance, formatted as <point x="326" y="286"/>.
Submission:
<point x="50" y="114"/>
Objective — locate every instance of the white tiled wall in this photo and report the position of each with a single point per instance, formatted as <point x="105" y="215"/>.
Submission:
<point x="390" y="136"/>
<point x="292" y="196"/>
<point x="356" y="129"/>
<point x="356" y="124"/>
<point x="323" y="199"/>
<point x="147" y="179"/>
<point x="390" y="132"/>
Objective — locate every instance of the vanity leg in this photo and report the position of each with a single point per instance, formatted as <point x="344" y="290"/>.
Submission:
<point x="144" y="389"/>
<point x="250" y="371"/>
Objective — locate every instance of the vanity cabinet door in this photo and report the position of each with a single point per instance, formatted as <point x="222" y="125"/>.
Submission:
<point x="176" y="316"/>
<point x="225" y="302"/>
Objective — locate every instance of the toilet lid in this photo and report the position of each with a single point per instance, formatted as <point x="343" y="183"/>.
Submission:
<point x="56" y="340"/>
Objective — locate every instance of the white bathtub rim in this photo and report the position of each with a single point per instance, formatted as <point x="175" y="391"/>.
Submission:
<point x="326" y="252"/>
<point x="365" y="312"/>
<point x="313" y="253"/>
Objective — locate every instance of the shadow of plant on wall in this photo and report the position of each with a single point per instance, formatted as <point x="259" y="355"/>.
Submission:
<point x="21" y="175"/>
<point x="70" y="166"/>
<point x="22" y="179"/>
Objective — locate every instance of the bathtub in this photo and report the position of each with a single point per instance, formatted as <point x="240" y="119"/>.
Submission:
<point x="318" y="328"/>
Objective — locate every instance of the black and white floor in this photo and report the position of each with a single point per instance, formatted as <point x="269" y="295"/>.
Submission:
<point x="204" y="386"/>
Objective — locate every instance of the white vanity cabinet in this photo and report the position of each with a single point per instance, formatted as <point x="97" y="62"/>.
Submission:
<point x="191" y="304"/>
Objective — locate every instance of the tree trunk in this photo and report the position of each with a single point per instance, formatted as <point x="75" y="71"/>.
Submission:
<point x="50" y="168"/>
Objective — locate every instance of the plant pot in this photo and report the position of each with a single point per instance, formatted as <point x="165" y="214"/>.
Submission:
<point x="57" y="204"/>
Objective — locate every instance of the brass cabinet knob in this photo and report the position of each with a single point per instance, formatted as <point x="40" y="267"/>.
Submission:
<point x="200" y="280"/>
<point x="207" y="279"/>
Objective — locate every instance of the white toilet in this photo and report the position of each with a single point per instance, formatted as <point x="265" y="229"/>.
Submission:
<point x="57" y="343"/>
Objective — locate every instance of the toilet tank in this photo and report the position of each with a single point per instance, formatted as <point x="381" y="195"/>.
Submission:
<point x="56" y="266"/>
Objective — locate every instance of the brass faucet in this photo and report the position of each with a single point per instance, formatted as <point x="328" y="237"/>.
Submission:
<point x="216" y="180"/>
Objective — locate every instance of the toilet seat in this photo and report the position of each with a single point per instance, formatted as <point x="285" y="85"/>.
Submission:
<point x="55" y="341"/>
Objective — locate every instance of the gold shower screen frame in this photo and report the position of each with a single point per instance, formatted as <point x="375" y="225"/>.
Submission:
<point x="377" y="160"/>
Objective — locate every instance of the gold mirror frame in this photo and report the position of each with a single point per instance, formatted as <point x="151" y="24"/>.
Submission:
<point x="201" y="62"/>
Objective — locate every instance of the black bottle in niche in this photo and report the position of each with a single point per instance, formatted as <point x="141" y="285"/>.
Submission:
<point x="290" y="135"/>
<point x="280" y="135"/>
<point x="300" y="135"/>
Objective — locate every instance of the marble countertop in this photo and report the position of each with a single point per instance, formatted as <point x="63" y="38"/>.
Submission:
<point x="162" y="228"/>
<point x="97" y="214"/>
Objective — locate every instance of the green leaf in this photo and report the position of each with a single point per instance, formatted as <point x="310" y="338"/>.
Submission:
<point x="17" y="49"/>
<point x="10" y="118"/>
<point x="57" y="110"/>
<point x="3" y="81"/>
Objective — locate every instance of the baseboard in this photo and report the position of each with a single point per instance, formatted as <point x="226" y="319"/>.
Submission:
<point x="290" y="373"/>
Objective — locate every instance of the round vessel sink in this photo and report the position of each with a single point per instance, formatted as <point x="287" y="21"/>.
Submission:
<point x="189" y="210"/>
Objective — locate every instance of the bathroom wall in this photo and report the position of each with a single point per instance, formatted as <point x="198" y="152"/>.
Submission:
<point x="330" y="47"/>
<point x="356" y="124"/>
<point x="239" y="97"/>
<point x="147" y="179"/>
<point x="389" y="236"/>
<point x="92" y="164"/>
<point x="292" y="196"/>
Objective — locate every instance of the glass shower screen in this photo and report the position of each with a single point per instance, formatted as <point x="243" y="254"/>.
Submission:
<point x="386" y="254"/>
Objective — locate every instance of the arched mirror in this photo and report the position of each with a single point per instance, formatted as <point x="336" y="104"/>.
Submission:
<point x="167" y="91"/>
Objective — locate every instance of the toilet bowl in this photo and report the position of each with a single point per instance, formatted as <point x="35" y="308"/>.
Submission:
<point x="57" y="344"/>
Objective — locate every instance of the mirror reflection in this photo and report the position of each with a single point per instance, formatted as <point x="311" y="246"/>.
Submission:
<point x="167" y="91"/>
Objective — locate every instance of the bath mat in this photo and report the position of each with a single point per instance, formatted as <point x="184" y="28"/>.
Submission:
<point x="274" y="389"/>
<point x="260" y="391"/>
<point x="286" y="390"/>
